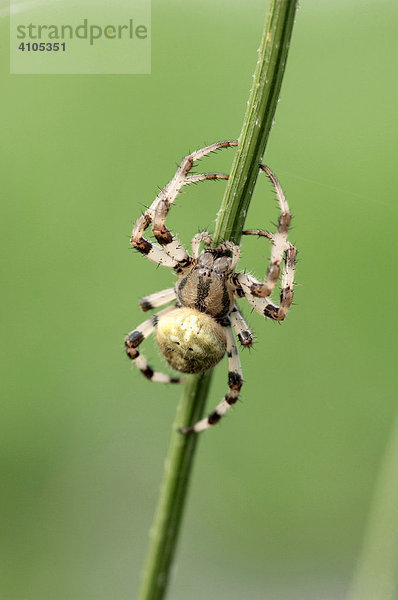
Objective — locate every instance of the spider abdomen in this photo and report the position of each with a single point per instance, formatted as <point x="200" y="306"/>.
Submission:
<point x="191" y="341"/>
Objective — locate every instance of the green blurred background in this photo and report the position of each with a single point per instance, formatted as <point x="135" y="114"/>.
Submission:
<point x="282" y="487"/>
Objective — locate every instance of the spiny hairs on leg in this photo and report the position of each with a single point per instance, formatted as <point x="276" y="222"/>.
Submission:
<point x="169" y="251"/>
<point x="234" y="382"/>
<point x="264" y="306"/>
<point x="279" y="240"/>
<point x="203" y="236"/>
<point x="157" y="299"/>
<point x="136" y="337"/>
<point x="241" y="328"/>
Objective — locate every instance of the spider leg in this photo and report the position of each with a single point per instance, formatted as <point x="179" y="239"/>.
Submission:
<point x="235" y="251"/>
<point x="264" y="306"/>
<point x="136" y="337"/>
<point x="204" y="237"/>
<point x="241" y="328"/>
<point x="154" y="252"/>
<point x="234" y="383"/>
<point x="161" y="206"/>
<point x="157" y="299"/>
<point x="279" y="241"/>
<point x="170" y="252"/>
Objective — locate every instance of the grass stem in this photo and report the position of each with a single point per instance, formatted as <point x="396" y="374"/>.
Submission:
<point x="257" y="124"/>
<point x="376" y="576"/>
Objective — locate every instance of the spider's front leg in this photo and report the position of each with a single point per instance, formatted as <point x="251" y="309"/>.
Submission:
<point x="234" y="382"/>
<point x="279" y="241"/>
<point x="154" y="252"/>
<point x="169" y="251"/>
<point x="161" y="206"/>
<point x="204" y="237"/>
<point x="136" y="337"/>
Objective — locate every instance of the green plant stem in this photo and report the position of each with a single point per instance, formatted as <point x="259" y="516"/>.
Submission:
<point x="257" y="124"/>
<point x="165" y="528"/>
<point x="376" y="575"/>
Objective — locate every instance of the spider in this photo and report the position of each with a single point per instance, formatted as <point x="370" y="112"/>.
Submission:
<point x="195" y="331"/>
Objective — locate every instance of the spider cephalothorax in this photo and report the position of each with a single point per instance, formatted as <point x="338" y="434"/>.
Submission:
<point x="195" y="332"/>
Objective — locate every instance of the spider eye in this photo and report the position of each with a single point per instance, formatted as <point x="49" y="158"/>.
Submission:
<point x="222" y="264"/>
<point x="206" y="259"/>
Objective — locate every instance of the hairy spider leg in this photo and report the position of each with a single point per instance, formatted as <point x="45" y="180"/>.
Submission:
<point x="204" y="237"/>
<point x="264" y="306"/>
<point x="157" y="299"/>
<point x="234" y="383"/>
<point x="136" y="337"/>
<point x="241" y="328"/>
<point x="169" y="251"/>
<point x="235" y="252"/>
<point x="160" y="208"/>
<point x="279" y="240"/>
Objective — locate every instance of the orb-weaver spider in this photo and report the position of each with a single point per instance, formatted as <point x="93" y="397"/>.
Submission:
<point x="195" y="331"/>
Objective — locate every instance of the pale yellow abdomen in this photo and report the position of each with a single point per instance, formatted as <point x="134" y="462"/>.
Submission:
<point x="191" y="341"/>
